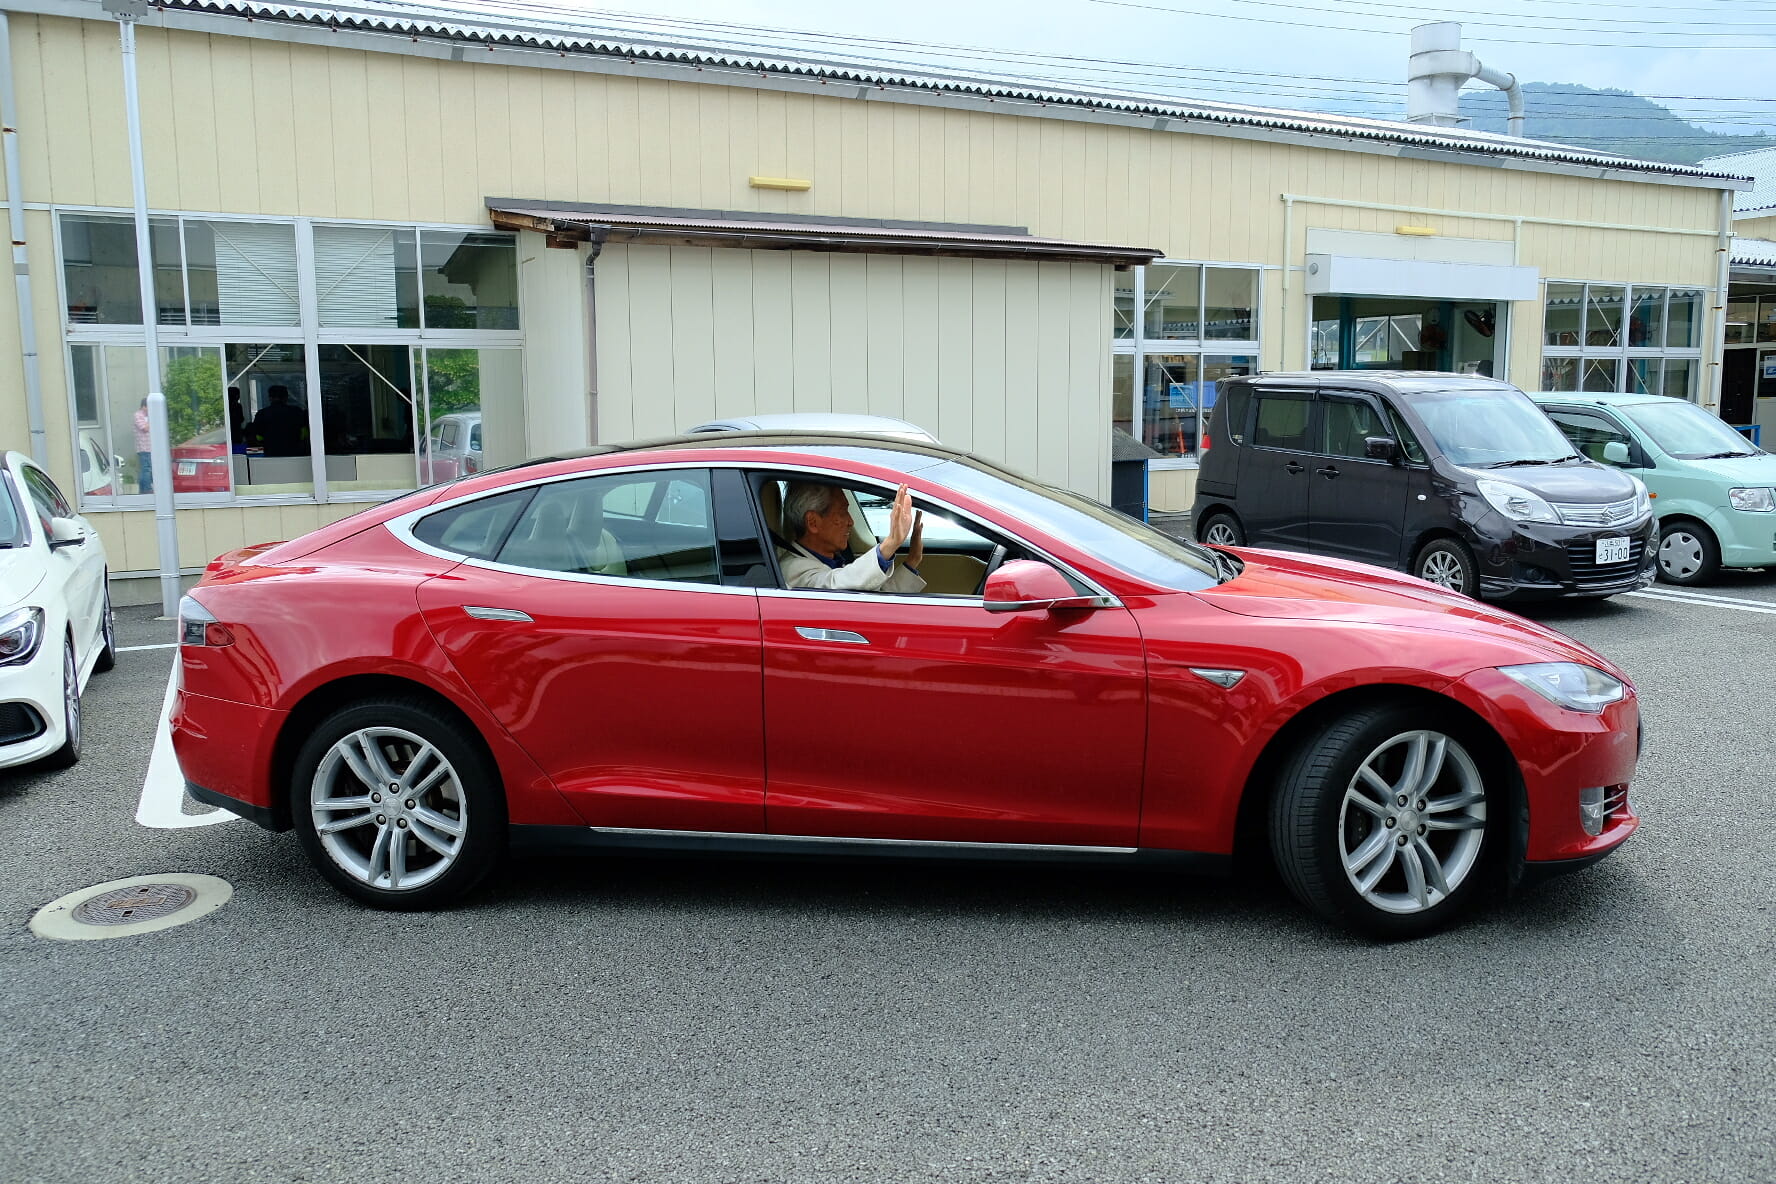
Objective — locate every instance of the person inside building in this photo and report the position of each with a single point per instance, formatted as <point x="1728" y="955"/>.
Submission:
<point x="237" y="420"/>
<point x="281" y="425"/>
<point x="817" y="518"/>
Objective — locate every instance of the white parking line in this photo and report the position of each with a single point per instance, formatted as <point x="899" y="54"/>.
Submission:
<point x="131" y="649"/>
<point x="1743" y="606"/>
<point x="163" y="790"/>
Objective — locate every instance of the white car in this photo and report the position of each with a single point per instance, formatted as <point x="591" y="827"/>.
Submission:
<point x="55" y="616"/>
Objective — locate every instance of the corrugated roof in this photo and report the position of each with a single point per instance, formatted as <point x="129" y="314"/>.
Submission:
<point x="1754" y="252"/>
<point x="519" y="26"/>
<point x="1760" y="166"/>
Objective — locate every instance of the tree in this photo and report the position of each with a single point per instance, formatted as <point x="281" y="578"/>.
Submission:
<point x="194" y="399"/>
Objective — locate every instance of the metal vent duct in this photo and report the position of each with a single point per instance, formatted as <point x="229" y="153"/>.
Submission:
<point x="1437" y="71"/>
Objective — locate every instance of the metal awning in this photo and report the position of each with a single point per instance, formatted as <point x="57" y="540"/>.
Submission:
<point x="568" y="224"/>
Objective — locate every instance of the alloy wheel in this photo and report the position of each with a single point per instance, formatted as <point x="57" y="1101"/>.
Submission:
<point x="1680" y="555"/>
<point x="1412" y="822"/>
<point x="388" y="808"/>
<point x="71" y="697"/>
<point x="1443" y="569"/>
<point x="1220" y="534"/>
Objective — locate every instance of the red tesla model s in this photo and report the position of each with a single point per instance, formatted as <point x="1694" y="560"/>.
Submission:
<point x="604" y="649"/>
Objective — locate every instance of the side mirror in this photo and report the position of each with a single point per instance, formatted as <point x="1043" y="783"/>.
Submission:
<point x="65" y="532"/>
<point x="1615" y="453"/>
<point x="1023" y="585"/>
<point x="1381" y="448"/>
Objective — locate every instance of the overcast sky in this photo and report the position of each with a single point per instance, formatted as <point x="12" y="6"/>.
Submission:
<point x="1219" y="48"/>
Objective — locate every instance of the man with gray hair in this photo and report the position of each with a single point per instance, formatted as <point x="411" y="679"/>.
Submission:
<point x="817" y="519"/>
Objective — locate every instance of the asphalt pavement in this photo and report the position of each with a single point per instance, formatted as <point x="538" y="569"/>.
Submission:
<point x="720" y="1019"/>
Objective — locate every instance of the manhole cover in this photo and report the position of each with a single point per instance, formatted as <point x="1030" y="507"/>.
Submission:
<point x="126" y="906"/>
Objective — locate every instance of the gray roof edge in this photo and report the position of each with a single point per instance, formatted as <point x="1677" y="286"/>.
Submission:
<point x="675" y="212"/>
<point x="466" y="26"/>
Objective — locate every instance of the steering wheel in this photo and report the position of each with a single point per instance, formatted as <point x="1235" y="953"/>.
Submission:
<point x="993" y="562"/>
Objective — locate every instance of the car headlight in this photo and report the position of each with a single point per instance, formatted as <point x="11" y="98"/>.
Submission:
<point x="21" y="632"/>
<point x="1516" y="502"/>
<point x="1643" y="500"/>
<point x="1569" y="685"/>
<point x="1760" y="500"/>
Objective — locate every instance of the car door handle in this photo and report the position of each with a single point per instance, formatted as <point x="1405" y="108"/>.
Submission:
<point x="1292" y="468"/>
<point x="812" y="633"/>
<point x="487" y="613"/>
<point x="1328" y="472"/>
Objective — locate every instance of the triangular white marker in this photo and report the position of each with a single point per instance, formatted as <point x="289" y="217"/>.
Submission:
<point x="163" y="790"/>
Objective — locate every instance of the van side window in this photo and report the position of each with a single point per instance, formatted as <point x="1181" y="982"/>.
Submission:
<point x="1282" y="422"/>
<point x="1345" y="424"/>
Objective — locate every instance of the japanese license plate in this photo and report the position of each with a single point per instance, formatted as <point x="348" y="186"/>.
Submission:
<point x="187" y="468"/>
<point x="1612" y="550"/>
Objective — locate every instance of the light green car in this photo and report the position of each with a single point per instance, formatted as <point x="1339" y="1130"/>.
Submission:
<point x="1714" y="490"/>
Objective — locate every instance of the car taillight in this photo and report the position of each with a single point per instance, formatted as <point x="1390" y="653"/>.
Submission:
<point x="198" y="626"/>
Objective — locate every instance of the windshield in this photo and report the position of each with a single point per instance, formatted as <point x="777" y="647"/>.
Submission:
<point x="1689" y="433"/>
<point x="1489" y="429"/>
<point x="1124" y="542"/>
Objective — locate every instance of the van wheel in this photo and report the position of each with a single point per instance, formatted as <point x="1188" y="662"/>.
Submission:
<point x="1688" y="553"/>
<point x="1449" y="564"/>
<point x="1221" y="529"/>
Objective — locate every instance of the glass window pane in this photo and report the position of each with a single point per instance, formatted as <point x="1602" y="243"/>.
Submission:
<point x="1563" y="319"/>
<point x="99" y="270"/>
<point x="1646" y="319"/>
<point x="1684" y="317"/>
<point x="105" y="466"/>
<point x="365" y="277"/>
<point x="242" y="273"/>
<point x="1766" y="326"/>
<point x="1599" y="374"/>
<point x="1171" y="399"/>
<point x="1643" y="376"/>
<point x="1122" y="392"/>
<point x="1346" y="425"/>
<point x="1323" y="345"/>
<point x="1172" y="301"/>
<point x="576" y="526"/>
<point x="367" y="416"/>
<point x="1122" y="303"/>
<point x="1603" y="316"/>
<point x="1590" y="434"/>
<point x="478" y="528"/>
<point x="1741" y="321"/>
<point x="197" y="419"/>
<point x="1281" y="423"/>
<point x="169" y="280"/>
<point x="1560" y="374"/>
<point x="1680" y="378"/>
<point x="268" y="419"/>
<point x="473" y="395"/>
<point x="1230" y="296"/>
<point x="470" y="280"/>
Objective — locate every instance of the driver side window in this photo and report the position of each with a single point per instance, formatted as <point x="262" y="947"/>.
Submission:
<point x="956" y="551"/>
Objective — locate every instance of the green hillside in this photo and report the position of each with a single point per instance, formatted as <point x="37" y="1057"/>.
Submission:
<point x="1605" y="121"/>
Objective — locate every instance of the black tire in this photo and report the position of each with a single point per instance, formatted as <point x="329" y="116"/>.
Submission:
<point x="1449" y="564"/>
<point x="1319" y="841"/>
<point x="1221" y="529"/>
<point x="1688" y="553"/>
<point x="470" y="797"/>
<point x="69" y="753"/>
<point x="107" y="634"/>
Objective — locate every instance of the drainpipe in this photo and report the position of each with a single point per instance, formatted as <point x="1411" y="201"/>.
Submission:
<point x="1711" y="385"/>
<point x="1436" y="72"/>
<point x="21" y="259"/>
<point x="166" y="529"/>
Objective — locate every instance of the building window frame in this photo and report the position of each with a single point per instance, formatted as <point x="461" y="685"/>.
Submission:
<point x="1139" y="347"/>
<point x="1622" y="356"/>
<point x="306" y="333"/>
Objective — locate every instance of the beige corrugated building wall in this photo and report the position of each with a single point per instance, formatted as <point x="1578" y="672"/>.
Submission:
<point x="1012" y="359"/>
